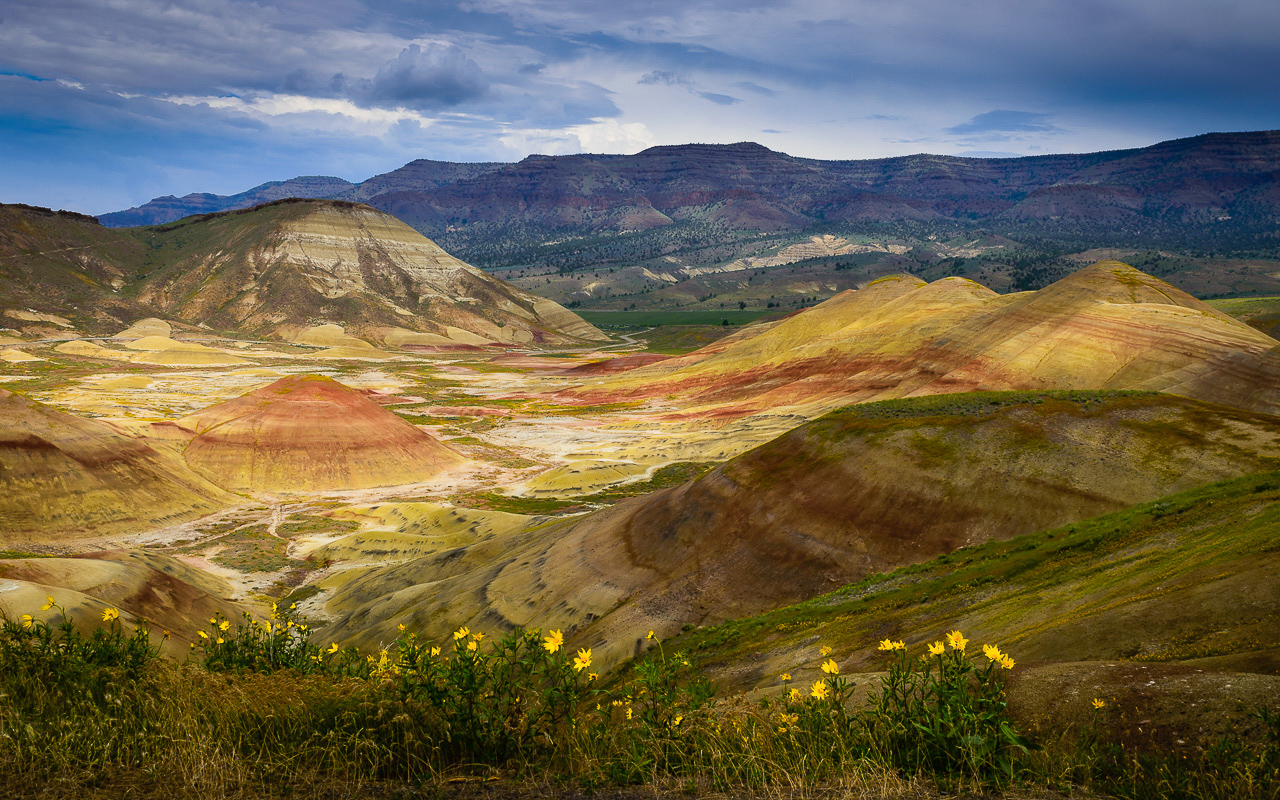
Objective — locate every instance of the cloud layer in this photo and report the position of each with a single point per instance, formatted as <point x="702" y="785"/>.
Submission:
<point x="106" y="104"/>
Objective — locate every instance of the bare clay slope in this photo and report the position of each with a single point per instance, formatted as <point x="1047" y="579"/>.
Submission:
<point x="62" y="476"/>
<point x="310" y="433"/>
<point x="279" y="269"/>
<point x="1108" y="326"/>
<point x="858" y="491"/>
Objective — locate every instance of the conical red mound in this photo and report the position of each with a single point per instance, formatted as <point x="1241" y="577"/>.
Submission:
<point x="310" y="433"/>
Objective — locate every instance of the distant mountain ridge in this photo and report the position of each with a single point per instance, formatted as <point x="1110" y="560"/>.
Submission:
<point x="1210" y="188"/>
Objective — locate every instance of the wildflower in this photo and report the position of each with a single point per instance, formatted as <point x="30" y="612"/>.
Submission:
<point x="819" y="690"/>
<point x="831" y="667"/>
<point x="471" y="645"/>
<point x="400" y="627"/>
<point x="28" y="621"/>
<point x="48" y="603"/>
<point x="213" y="620"/>
<point x="435" y="651"/>
<point x="824" y="651"/>
<point x="616" y="703"/>
<point x="110" y="614"/>
<point x="477" y="636"/>
<point x="221" y="640"/>
<point x="461" y="633"/>
<point x="582" y="661"/>
<point x="786" y="676"/>
<point x="794" y="695"/>
<point x="992" y="652"/>
<point x="203" y="635"/>
<point x="553" y="641"/>
<point x="886" y="644"/>
<point x="1007" y="662"/>
<point x="224" y="625"/>
<point x="628" y="712"/>
<point x="293" y="606"/>
<point x="591" y="676"/>
<point x="957" y="641"/>
<point x="650" y="636"/>
<point x="936" y="649"/>
<point x="679" y="718"/>
<point x="1098" y="703"/>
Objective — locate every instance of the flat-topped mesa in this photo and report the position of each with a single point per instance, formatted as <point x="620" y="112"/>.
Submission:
<point x="62" y="476"/>
<point x="310" y="433"/>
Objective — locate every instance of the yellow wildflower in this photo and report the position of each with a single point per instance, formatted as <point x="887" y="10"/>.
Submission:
<point x="224" y="624"/>
<point x="957" y="641"/>
<point x="400" y="627"/>
<point x="628" y="712"/>
<point x="48" y="603"/>
<point x="333" y="647"/>
<point x="824" y="651"/>
<point x="679" y="718"/>
<point x="786" y="676"/>
<point x="471" y="645"/>
<point x="435" y="651"/>
<point x="213" y="620"/>
<point x="28" y="620"/>
<point x="936" y="649"/>
<point x="819" y="690"/>
<point x="831" y="667"/>
<point x="203" y="635"/>
<point x="1006" y="662"/>
<point x="1098" y="703"/>
<point x="591" y="676"/>
<point x="220" y="640"/>
<point x="582" y="661"/>
<point x="477" y="636"/>
<point x="992" y="652"/>
<point x="650" y="636"/>
<point x="886" y="644"/>
<point x="461" y="633"/>
<point x="553" y="641"/>
<point x="794" y="695"/>
<point x="110" y="614"/>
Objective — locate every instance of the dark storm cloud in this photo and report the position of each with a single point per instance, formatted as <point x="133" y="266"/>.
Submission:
<point x="437" y="75"/>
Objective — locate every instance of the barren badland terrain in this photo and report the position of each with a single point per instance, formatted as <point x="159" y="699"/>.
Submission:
<point x="309" y="405"/>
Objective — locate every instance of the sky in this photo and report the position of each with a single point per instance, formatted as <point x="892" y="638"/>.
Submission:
<point x="109" y="103"/>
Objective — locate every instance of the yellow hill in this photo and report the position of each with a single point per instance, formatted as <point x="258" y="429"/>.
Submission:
<point x="62" y="477"/>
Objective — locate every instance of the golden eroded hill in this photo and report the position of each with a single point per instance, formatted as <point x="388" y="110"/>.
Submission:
<point x="309" y="433"/>
<point x="858" y="491"/>
<point x="1108" y="326"/>
<point x="62" y="476"/>
<point x="281" y="269"/>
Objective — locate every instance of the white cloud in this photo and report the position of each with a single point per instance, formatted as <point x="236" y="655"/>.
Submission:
<point x="277" y="107"/>
<point x="599" y="136"/>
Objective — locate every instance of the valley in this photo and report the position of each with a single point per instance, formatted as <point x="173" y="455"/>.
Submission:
<point x="308" y="406"/>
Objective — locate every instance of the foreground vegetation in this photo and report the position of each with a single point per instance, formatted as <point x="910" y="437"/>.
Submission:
<point x="260" y="710"/>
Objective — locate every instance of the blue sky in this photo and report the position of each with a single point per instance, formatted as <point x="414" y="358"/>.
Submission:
<point x="106" y="104"/>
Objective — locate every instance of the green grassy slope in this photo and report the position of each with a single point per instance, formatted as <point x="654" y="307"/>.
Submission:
<point x="1190" y="577"/>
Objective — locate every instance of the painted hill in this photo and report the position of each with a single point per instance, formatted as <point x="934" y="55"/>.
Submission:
<point x="1190" y="578"/>
<point x="281" y="268"/>
<point x="310" y="433"/>
<point x="861" y="490"/>
<point x="275" y="271"/>
<point x="1107" y="326"/>
<point x="63" y="477"/>
<point x="1213" y="188"/>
